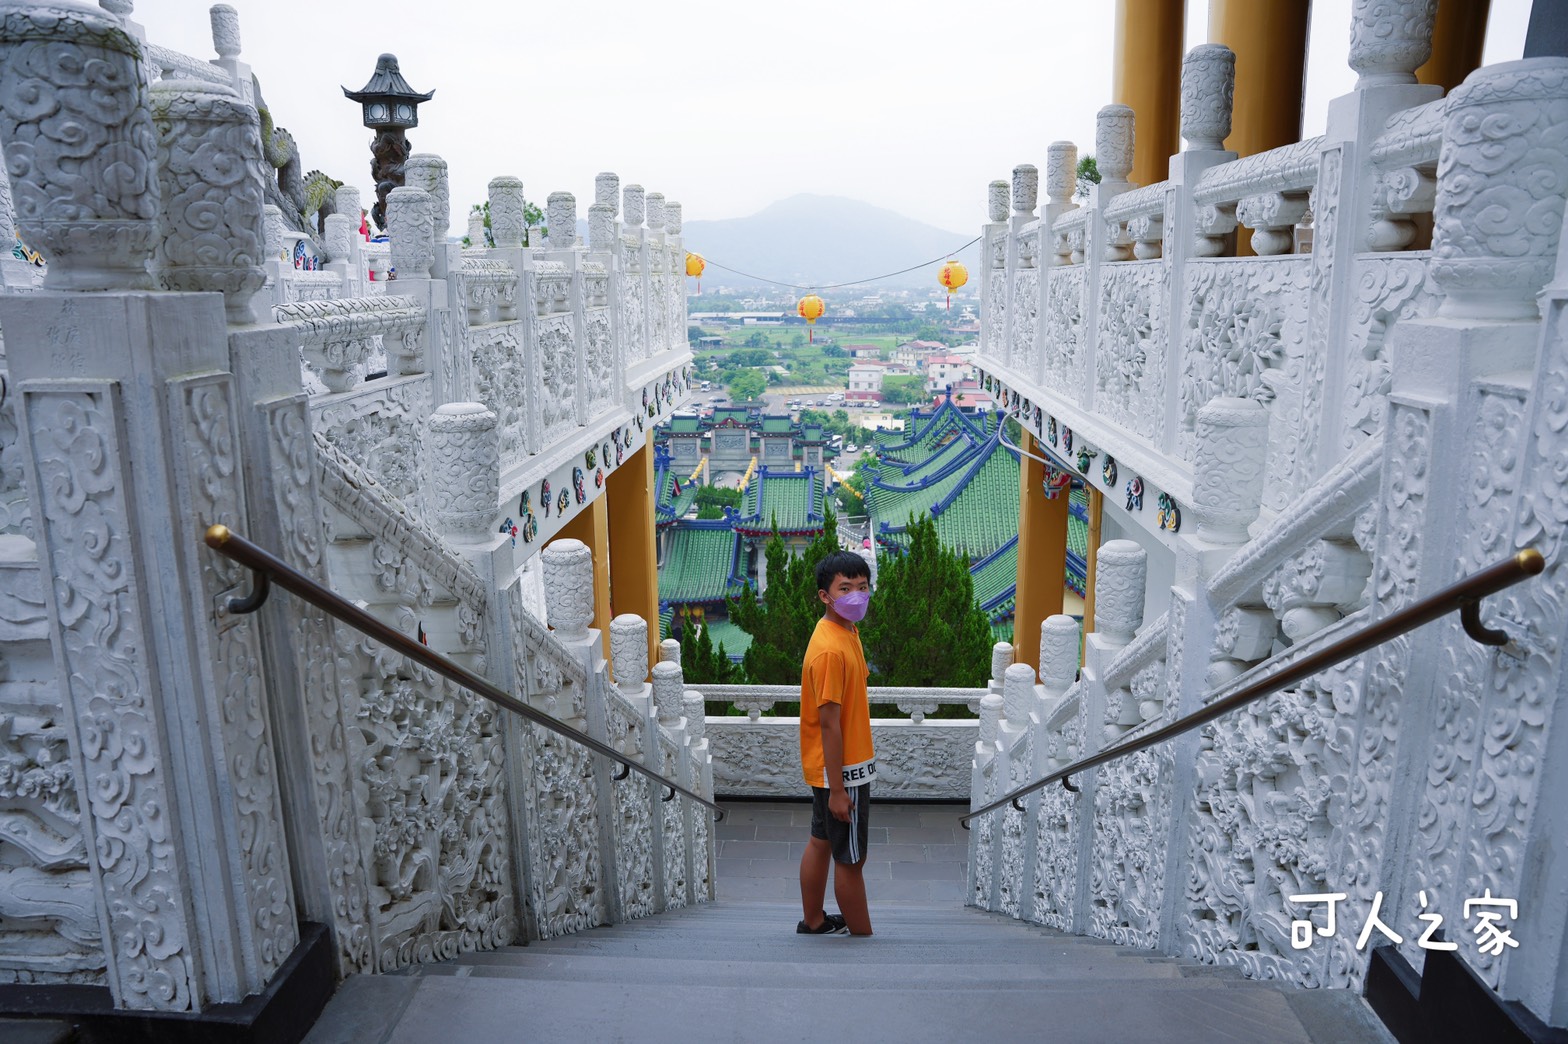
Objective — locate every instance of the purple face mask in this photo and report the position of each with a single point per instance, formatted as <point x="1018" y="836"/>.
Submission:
<point x="852" y="606"/>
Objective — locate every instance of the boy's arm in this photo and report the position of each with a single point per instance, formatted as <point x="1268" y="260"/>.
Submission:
<point x="833" y="760"/>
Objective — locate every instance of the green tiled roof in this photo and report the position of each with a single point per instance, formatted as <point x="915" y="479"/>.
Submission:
<point x="996" y="580"/>
<point x="777" y="426"/>
<point x="981" y="503"/>
<point x="734" y="640"/>
<point x="670" y="505"/>
<point x="794" y="498"/>
<point x="697" y="565"/>
<point x="685" y="425"/>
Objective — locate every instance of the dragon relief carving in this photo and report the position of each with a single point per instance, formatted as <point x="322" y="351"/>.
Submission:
<point x="567" y="886"/>
<point x="1026" y="319"/>
<point x="501" y="383"/>
<point x="1011" y="871"/>
<point x="1268" y="798"/>
<point x="381" y="428"/>
<point x="558" y="378"/>
<point x="633" y="812"/>
<point x="674" y="831"/>
<point x="1132" y="809"/>
<point x="1057" y="829"/>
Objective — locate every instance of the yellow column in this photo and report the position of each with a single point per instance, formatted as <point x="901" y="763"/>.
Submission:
<point x="591" y="526"/>
<point x="634" y="581"/>
<point x="1147" y="77"/>
<point x="1042" y="556"/>
<point x="1457" y="38"/>
<point x="1270" y="41"/>
<point x="1092" y="545"/>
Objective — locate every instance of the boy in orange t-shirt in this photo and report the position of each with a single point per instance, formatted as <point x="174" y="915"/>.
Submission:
<point x="836" y="755"/>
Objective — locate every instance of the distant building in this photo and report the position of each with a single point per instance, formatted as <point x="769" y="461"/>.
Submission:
<point x="945" y="370"/>
<point x="863" y="351"/>
<point x="865" y="382"/>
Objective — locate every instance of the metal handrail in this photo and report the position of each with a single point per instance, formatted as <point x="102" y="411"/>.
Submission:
<point x="269" y="569"/>
<point x="1465" y="596"/>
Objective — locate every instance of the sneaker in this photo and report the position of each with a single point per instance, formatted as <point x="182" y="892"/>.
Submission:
<point x="832" y="924"/>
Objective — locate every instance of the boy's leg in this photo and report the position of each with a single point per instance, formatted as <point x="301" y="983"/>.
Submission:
<point x="849" y="887"/>
<point x="814" y="880"/>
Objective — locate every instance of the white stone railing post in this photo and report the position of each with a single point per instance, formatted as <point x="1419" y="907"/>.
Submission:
<point x="426" y="170"/>
<point x="1059" y="641"/>
<point x="202" y="128"/>
<point x="994" y="247"/>
<point x="463" y="471"/>
<point x="1232" y="438"/>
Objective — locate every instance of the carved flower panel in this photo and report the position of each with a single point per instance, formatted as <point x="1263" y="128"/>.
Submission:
<point x="601" y="361"/>
<point x="1065" y="344"/>
<point x="1244" y="335"/>
<point x="381" y="430"/>
<point x="659" y="335"/>
<point x="994" y="312"/>
<point x="558" y="368"/>
<point x="631" y="317"/>
<point x="1130" y="354"/>
<point x="982" y="838"/>
<point x="500" y="381"/>
<point x="1026" y="320"/>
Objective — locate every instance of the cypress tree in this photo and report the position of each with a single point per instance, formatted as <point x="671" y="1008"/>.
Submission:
<point x="780" y="626"/>
<point x="923" y="627"/>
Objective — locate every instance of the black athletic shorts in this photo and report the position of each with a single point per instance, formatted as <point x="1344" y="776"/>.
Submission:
<point x="847" y="839"/>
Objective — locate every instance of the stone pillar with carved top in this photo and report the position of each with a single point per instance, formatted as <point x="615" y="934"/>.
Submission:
<point x="1227" y="488"/>
<point x="464" y="470"/>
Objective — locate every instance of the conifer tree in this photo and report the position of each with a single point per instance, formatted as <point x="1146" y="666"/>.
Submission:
<point x="781" y="623"/>
<point x="923" y="627"/>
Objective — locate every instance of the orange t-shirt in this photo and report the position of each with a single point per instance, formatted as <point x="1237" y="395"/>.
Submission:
<point x="835" y="672"/>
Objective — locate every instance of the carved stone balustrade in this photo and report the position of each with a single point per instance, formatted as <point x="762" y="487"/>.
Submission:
<point x="670" y="651"/>
<point x="607" y="191"/>
<point x="568" y="585"/>
<point x="1113" y="145"/>
<point x="345" y="201"/>
<point x="669" y="689"/>
<point x="1242" y="637"/>
<point x="1232" y="446"/>
<point x="1208" y="91"/>
<point x="1059" y="640"/>
<point x="654" y="204"/>
<point x="561" y="220"/>
<point x="1314" y="588"/>
<point x="1272" y="216"/>
<point x="93" y="218"/>
<point x="696" y="717"/>
<point x="1212" y="225"/>
<point x="990" y="721"/>
<point x="210" y="236"/>
<point x="997" y="199"/>
<point x="465" y="467"/>
<point x="629" y="652"/>
<point x="507" y="223"/>
<point x="1139" y="215"/>
<point x="917" y="709"/>
<point x="1001" y="659"/>
<point x="1501" y="181"/>
<point x="339" y="238"/>
<point x="1019" y="698"/>
<point x="411" y="231"/>
<point x="489" y="288"/>
<point x="337" y="336"/>
<point x="1120" y="572"/>
<point x="476" y="230"/>
<point x="601" y="227"/>
<point x="426" y="170"/>
<point x="672" y="218"/>
<point x="1026" y="189"/>
<point x="634" y="203"/>
<point x="1390" y="40"/>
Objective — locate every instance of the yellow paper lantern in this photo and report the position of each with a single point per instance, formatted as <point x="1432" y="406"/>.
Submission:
<point x="810" y="309"/>
<point x="953" y="276"/>
<point x="694" y="266"/>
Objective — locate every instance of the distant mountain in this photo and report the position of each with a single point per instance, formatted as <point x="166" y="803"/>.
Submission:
<point x="817" y="240"/>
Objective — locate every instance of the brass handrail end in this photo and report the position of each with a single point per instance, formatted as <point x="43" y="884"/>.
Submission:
<point x="1531" y="560"/>
<point x="217" y="535"/>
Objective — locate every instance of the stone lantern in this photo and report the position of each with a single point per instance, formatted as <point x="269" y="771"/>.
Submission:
<point x="391" y="106"/>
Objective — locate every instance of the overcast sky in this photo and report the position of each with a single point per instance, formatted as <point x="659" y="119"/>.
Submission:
<point x="725" y="106"/>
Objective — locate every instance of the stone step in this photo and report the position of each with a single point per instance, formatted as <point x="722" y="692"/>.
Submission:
<point x="479" y="1008"/>
<point x="806" y="974"/>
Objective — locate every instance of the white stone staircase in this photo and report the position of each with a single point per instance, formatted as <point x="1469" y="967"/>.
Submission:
<point x="735" y="971"/>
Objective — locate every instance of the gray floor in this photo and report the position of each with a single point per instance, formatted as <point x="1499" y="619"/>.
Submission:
<point x="914" y="853"/>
